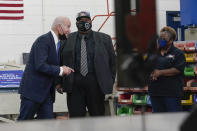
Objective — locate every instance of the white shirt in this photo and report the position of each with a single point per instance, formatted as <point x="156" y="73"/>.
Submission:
<point x="55" y="38"/>
<point x="56" y="41"/>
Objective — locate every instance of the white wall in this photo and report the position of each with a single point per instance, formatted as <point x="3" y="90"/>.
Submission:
<point x="17" y="36"/>
<point x="162" y="7"/>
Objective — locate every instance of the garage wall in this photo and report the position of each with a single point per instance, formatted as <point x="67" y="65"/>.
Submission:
<point x="17" y="37"/>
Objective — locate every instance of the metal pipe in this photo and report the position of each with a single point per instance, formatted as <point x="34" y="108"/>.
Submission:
<point x="108" y="15"/>
<point x="179" y="34"/>
<point x="106" y="20"/>
<point x="108" y="7"/>
<point x="98" y="16"/>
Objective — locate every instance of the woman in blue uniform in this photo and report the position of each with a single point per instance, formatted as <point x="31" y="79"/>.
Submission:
<point x="166" y="84"/>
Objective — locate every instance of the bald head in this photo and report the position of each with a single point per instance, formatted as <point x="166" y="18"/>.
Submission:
<point x="61" y="26"/>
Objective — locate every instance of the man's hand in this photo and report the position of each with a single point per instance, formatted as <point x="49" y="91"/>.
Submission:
<point x="67" y="70"/>
<point x="59" y="88"/>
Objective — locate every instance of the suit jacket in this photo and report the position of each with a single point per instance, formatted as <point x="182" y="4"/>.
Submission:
<point x="104" y="61"/>
<point x="41" y="70"/>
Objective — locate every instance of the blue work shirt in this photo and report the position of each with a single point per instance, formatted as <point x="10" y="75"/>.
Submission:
<point x="169" y="85"/>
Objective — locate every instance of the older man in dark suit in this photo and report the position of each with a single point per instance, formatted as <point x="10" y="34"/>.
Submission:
<point x="37" y="85"/>
<point x="92" y="56"/>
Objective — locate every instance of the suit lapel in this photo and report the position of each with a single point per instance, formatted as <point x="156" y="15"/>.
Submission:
<point x="62" y="42"/>
<point x="52" y="44"/>
<point x="97" y="41"/>
<point x="52" y="40"/>
<point x="73" y="43"/>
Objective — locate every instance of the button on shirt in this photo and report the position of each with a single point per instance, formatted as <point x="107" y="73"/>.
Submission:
<point x="169" y="85"/>
<point x="90" y="45"/>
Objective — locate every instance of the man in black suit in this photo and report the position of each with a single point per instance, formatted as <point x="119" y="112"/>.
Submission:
<point x="91" y="55"/>
<point x="37" y="84"/>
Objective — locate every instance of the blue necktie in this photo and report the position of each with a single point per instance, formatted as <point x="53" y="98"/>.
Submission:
<point x="58" y="47"/>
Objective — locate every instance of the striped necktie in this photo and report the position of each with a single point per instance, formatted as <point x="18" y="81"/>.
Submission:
<point x="84" y="65"/>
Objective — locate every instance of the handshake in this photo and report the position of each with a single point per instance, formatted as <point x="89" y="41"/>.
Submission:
<point x="67" y="70"/>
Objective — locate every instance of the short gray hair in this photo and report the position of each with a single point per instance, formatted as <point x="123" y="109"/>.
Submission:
<point x="59" y="20"/>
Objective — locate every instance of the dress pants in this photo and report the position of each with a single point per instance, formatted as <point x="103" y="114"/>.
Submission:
<point x="166" y="104"/>
<point x="86" y="94"/>
<point x="29" y="108"/>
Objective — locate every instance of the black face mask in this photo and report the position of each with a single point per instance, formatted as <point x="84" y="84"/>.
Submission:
<point x="84" y="26"/>
<point x="62" y="37"/>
